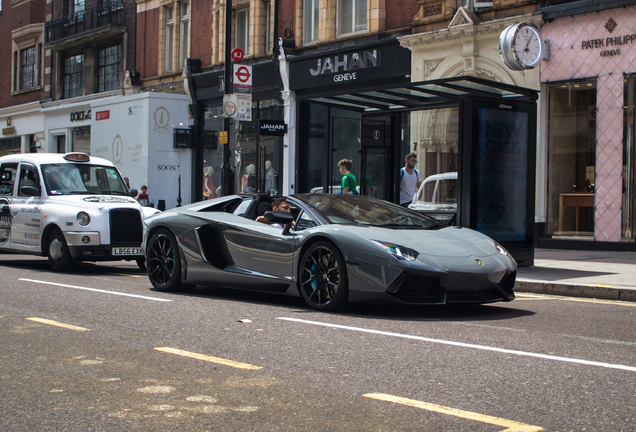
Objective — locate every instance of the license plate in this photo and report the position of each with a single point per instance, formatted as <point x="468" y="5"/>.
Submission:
<point x="128" y="251"/>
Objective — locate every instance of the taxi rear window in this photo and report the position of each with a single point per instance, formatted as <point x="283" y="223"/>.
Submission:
<point x="8" y="173"/>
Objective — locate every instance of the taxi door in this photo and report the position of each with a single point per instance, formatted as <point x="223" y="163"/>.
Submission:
<point x="26" y="208"/>
<point x="8" y="174"/>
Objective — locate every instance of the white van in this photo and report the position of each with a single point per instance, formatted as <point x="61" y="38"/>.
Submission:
<point x="437" y="196"/>
<point x="68" y="207"/>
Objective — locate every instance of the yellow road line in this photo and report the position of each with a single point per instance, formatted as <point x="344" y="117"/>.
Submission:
<point x="208" y="358"/>
<point x="511" y="426"/>
<point x="58" y="324"/>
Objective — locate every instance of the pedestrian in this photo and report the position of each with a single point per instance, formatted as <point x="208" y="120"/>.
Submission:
<point x="410" y="180"/>
<point x="143" y="197"/>
<point x="348" y="185"/>
<point x="208" y="184"/>
<point x="127" y="181"/>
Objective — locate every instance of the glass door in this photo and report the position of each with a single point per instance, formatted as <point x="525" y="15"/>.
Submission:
<point x="629" y="182"/>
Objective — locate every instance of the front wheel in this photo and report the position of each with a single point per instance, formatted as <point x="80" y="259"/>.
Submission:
<point x="323" y="277"/>
<point x="58" y="253"/>
<point x="163" y="261"/>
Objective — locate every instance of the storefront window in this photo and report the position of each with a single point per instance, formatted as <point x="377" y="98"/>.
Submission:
<point x="571" y="159"/>
<point x="256" y="160"/>
<point x="82" y="139"/>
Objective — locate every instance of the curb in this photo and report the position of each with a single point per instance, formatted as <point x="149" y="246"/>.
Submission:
<point x="603" y="292"/>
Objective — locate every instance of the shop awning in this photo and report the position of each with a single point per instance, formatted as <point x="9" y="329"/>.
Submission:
<point x="425" y="94"/>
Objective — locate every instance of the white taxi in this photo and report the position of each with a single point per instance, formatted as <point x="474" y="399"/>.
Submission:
<point x="68" y="207"/>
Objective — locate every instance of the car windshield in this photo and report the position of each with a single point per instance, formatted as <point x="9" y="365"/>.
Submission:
<point x="366" y="211"/>
<point x="69" y="179"/>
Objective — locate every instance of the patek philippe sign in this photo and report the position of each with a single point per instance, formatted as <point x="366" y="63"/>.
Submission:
<point x="610" y="46"/>
<point x="388" y="61"/>
<point x="272" y="127"/>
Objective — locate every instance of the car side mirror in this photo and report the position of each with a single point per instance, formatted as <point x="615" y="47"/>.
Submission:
<point x="134" y="193"/>
<point x="280" y="217"/>
<point x="30" y="191"/>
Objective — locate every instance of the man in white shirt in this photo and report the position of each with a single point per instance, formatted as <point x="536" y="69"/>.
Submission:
<point x="410" y="180"/>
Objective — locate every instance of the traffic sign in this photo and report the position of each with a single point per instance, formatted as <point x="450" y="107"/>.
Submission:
<point x="242" y="79"/>
<point x="237" y="54"/>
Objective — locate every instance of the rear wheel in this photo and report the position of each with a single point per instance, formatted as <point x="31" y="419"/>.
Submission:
<point x="323" y="277"/>
<point x="58" y="253"/>
<point x="163" y="261"/>
<point x="141" y="263"/>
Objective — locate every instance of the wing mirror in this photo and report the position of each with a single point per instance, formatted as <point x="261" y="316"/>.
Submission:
<point x="30" y="191"/>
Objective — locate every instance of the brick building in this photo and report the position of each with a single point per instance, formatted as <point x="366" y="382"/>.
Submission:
<point x="24" y="77"/>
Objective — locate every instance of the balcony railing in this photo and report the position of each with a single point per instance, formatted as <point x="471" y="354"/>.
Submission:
<point x="111" y="14"/>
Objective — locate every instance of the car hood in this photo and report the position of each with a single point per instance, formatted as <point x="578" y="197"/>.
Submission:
<point x="444" y="242"/>
<point x="102" y="203"/>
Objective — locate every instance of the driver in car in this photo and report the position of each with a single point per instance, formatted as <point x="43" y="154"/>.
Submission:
<point x="280" y="204"/>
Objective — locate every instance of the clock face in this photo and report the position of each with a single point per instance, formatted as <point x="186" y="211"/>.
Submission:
<point x="528" y="46"/>
<point x="521" y="46"/>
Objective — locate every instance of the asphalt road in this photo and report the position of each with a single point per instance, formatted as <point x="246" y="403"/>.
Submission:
<point x="99" y="350"/>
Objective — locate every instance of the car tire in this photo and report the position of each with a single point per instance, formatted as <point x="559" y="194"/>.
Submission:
<point x="58" y="252"/>
<point x="164" y="261"/>
<point x="322" y="278"/>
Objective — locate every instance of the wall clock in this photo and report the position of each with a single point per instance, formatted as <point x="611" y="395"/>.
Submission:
<point x="521" y="46"/>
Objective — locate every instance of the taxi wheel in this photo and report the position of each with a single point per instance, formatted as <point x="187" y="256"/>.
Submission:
<point x="164" y="262"/>
<point x="59" y="254"/>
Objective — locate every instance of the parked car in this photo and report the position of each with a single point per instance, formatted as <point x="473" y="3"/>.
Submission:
<point x="340" y="248"/>
<point x="68" y="207"/>
<point x="437" y="196"/>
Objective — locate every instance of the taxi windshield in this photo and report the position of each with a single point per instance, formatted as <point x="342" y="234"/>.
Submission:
<point x="82" y="179"/>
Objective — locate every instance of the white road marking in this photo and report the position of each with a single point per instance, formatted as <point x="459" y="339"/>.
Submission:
<point x="466" y="345"/>
<point x="95" y="290"/>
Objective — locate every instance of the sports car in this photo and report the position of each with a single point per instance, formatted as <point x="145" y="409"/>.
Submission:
<point x="331" y="250"/>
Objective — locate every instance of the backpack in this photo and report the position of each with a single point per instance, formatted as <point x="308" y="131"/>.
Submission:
<point x="417" y="173"/>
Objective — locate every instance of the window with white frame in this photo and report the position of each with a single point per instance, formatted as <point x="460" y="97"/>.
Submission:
<point x="27" y="57"/>
<point x="268" y="26"/>
<point x="73" y="69"/>
<point x="351" y="16"/>
<point x="310" y="20"/>
<point x="169" y="39"/>
<point x="184" y="32"/>
<point x="109" y="65"/>
<point x="475" y="4"/>
<point x="243" y="30"/>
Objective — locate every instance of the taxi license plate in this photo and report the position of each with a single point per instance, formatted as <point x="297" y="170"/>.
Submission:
<point x="128" y="251"/>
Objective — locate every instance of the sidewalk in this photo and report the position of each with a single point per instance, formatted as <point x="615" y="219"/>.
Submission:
<point x="591" y="274"/>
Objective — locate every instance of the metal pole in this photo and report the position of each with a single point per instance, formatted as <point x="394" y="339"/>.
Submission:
<point x="227" y="181"/>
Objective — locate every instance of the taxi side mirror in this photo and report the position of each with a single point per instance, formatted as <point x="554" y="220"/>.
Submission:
<point x="134" y="193"/>
<point x="30" y="191"/>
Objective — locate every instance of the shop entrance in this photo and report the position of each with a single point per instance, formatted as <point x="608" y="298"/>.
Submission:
<point x="335" y="134"/>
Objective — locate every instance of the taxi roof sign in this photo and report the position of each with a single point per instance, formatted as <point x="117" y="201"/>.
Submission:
<point x="77" y="157"/>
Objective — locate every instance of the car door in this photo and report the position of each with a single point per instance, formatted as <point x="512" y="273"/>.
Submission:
<point x="261" y="249"/>
<point x="27" y="213"/>
<point x="8" y="174"/>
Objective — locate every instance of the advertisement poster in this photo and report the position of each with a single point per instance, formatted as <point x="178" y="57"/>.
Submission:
<point x="502" y="150"/>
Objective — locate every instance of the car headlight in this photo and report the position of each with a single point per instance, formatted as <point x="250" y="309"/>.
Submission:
<point x="400" y="252"/>
<point x="83" y="218"/>
<point x="502" y="250"/>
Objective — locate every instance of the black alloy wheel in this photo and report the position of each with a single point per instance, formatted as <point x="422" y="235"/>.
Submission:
<point x="163" y="261"/>
<point x="58" y="253"/>
<point x="323" y="277"/>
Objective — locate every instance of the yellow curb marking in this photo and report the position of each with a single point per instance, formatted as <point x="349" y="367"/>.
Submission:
<point x="58" y="324"/>
<point x="208" y="358"/>
<point x="511" y="426"/>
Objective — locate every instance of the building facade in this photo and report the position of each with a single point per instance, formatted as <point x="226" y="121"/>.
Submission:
<point x="24" y="79"/>
<point x="588" y="105"/>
